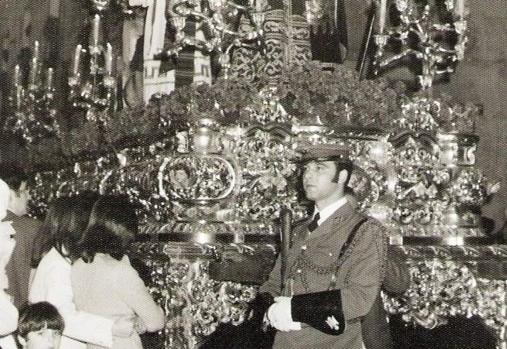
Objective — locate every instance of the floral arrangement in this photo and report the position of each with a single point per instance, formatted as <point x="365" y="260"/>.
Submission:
<point x="302" y="95"/>
<point x="339" y="98"/>
<point x="223" y="101"/>
<point x="446" y="288"/>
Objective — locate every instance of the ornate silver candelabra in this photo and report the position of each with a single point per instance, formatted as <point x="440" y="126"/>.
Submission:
<point x="425" y="40"/>
<point x="34" y="113"/>
<point x="93" y="89"/>
<point x="219" y="21"/>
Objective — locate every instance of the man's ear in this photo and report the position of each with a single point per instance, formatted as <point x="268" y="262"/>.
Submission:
<point x="342" y="176"/>
<point x="21" y="340"/>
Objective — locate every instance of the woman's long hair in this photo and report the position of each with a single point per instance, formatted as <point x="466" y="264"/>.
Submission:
<point x="113" y="225"/>
<point x="63" y="227"/>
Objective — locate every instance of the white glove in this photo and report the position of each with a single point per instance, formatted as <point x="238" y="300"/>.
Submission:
<point x="280" y="316"/>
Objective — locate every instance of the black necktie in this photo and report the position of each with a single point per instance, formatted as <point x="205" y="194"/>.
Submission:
<point x="314" y="223"/>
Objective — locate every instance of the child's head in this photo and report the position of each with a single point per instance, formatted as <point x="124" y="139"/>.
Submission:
<point x="40" y="326"/>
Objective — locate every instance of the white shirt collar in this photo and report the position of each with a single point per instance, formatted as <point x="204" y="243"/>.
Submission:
<point x="330" y="209"/>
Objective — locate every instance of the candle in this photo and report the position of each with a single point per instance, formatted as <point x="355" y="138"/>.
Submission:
<point x="382" y="16"/>
<point x="109" y="59"/>
<point x="95" y="30"/>
<point x="77" y="59"/>
<point x="49" y="80"/>
<point x="54" y="8"/>
<point x="32" y="77"/>
<point x="36" y="51"/>
<point x="35" y="64"/>
<point x="19" y="97"/>
<point x="460" y="8"/>
<point x="17" y="76"/>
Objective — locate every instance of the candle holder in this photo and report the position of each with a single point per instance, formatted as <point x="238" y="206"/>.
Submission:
<point x="33" y="109"/>
<point x="428" y="42"/>
<point x="92" y="85"/>
<point x="220" y="20"/>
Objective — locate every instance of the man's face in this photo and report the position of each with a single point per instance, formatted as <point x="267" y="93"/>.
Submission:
<point x="43" y="339"/>
<point x="318" y="181"/>
<point x="19" y="200"/>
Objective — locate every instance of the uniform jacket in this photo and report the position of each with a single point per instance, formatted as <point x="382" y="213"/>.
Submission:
<point x="359" y="275"/>
<point x="18" y="268"/>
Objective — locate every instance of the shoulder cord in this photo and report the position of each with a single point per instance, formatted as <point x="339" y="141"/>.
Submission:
<point x="303" y="261"/>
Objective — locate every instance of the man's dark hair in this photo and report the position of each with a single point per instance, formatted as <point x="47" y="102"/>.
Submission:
<point x="13" y="176"/>
<point x="38" y="316"/>
<point x="113" y="225"/>
<point x="343" y="165"/>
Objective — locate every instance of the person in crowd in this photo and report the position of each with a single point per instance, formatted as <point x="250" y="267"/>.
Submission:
<point x="103" y="280"/>
<point x="40" y="326"/>
<point x="65" y="222"/>
<point x="8" y="312"/>
<point x="25" y="230"/>
<point x="334" y="266"/>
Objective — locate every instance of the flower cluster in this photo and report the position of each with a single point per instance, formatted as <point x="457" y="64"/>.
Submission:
<point x="339" y="97"/>
<point x="223" y="101"/>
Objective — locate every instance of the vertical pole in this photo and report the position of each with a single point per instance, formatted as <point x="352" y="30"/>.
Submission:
<point x="365" y="52"/>
<point x="285" y="233"/>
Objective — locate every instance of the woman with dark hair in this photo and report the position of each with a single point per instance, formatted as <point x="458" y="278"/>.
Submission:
<point x="65" y="222"/>
<point x="63" y="227"/>
<point x="103" y="280"/>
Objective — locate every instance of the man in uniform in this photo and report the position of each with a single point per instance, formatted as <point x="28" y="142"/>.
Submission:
<point x="334" y="266"/>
